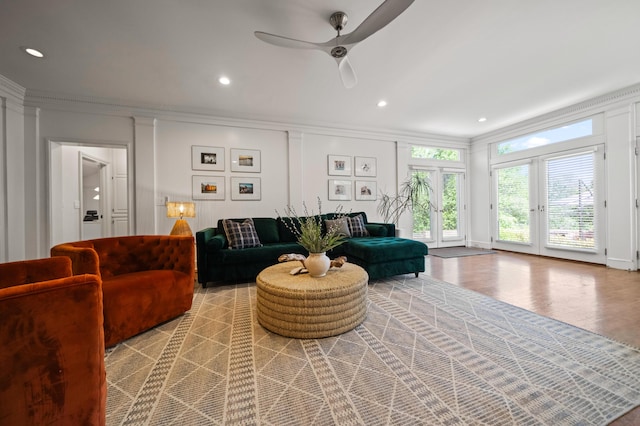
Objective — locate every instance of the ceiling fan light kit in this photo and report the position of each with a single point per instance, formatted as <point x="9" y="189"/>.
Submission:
<point x="339" y="46"/>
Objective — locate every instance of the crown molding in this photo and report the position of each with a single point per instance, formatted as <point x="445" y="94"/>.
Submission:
<point x="584" y="108"/>
<point x="12" y="89"/>
<point x="120" y="107"/>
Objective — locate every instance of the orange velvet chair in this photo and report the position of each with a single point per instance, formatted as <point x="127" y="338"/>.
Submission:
<point x="51" y="345"/>
<point x="146" y="280"/>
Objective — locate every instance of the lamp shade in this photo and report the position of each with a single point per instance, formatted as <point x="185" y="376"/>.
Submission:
<point x="181" y="209"/>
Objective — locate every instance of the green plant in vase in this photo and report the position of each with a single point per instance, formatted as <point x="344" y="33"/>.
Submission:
<point x="308" y="231"/>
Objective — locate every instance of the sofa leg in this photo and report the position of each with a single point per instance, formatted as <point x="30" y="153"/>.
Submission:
<point x="417" y="274"/>
<point x="204" y="284"/>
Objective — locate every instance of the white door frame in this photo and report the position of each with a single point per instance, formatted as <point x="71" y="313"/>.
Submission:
<point x="537" y="209"/>
<point x="437" y="233"/>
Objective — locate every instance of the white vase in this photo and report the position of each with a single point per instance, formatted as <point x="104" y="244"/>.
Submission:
<point x="317" y="264"/>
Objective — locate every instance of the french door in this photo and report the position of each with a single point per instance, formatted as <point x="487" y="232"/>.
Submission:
<point x="441" y="222"/>
<point x="552" y="205"/>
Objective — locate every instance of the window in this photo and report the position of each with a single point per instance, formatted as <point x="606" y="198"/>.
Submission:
<point x="547" y="137"/>
<point x="428" y="153"/>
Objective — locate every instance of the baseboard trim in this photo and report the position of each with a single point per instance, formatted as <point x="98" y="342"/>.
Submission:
<point x="480" y="244"/>
<point x="625" y="264"/>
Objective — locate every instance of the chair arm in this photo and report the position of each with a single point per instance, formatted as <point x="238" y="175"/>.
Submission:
<point x="31" y="271"/>
<point x="207" y="240"/>
<point x="52" y="343"/>
<point x="84" y="259"/>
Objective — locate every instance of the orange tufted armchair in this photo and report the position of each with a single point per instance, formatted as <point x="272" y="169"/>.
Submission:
<point x="146" y="280"/>
<point x="51" y="345"/>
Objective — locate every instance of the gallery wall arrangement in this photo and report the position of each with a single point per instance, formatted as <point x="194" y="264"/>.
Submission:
<point x="342" y="189"/>
<point x="213" y="188"/>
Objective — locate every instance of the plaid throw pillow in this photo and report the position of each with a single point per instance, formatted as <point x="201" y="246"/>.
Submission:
<point x="241" y="234"/>
<point x="356" y="226"/>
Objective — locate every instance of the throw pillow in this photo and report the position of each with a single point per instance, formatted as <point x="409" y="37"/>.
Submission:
<point x="340" y="225"/>
<point x="241" y="234"/>
<point x="356" y="226"/>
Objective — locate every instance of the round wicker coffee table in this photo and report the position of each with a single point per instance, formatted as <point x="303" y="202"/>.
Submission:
<point x="308" y="308"/>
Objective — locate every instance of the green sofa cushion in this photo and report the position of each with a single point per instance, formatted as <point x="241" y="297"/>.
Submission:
<point x="267" y="229"/>
<point x="268" y="252"/>
<point x="385" y="249"/>
<point x="286" y="236"/>
<point x="376" y="230"/>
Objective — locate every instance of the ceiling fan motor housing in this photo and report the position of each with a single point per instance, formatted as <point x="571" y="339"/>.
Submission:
<point x="338" y="21"/>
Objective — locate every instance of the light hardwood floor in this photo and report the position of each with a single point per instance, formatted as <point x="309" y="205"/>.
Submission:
<point x="599" y="299"/>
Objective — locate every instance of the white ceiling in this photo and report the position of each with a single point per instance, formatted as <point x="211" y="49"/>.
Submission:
<point x="440" y="65"/>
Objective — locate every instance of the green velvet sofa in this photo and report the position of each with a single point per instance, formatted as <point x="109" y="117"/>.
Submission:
<point x="381" y="254"/>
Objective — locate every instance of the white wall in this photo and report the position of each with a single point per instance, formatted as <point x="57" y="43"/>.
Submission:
<point x="621" y="210"/>
<point x="174" y="140"/>
<point x="479" y="233"/>
<point x="53" y="128"/>
<point x="305" y="181"/>
<point x="12" y="172"/>
<point x="294" y="164"/>
<point x="315" y="173"/>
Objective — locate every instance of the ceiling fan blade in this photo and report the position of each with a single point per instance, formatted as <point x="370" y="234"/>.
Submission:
<point x="379" y="18"/>
<point x="285" y="41"/>
<point x="347" y="74"/>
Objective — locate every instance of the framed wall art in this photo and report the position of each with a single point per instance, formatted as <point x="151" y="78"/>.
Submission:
<point x="365" y="166"/>
<point x="207" y="187"/>
<point x="245" y="160"/>
<point x="245" y="188"/>
<point x="340" y="190"/>
<point x="366" y="190"/>
<point x="339" y="165"/>
<point x="207" y="158"/>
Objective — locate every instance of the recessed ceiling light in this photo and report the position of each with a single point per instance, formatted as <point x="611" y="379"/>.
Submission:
<point x="33" y="52"/>
<point x="224" y="80"/>
<point x="482" y="119"/>
<point x="382" y="104"/>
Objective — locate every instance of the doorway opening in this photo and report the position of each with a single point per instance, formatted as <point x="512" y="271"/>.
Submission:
<point x="88" y="191"/>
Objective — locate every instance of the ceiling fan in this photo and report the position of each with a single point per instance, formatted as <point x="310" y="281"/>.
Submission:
<point x="338" y="46"/>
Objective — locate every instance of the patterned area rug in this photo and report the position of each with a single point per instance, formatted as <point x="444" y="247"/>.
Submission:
<point x="458" y="251"/>
<point x="428" y="353"/>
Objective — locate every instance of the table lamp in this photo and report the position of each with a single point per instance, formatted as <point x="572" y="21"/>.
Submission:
<point x="181" y="209"/>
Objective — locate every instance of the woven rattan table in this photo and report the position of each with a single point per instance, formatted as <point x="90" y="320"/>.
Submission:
<point x="307" y="308"/>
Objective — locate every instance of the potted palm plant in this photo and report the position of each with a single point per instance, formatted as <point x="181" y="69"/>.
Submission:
<point x="413" y="195"/>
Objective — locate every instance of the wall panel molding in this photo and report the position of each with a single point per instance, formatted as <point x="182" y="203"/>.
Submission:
<point x="607" y="101"/>
<point x="119" y="107"/>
